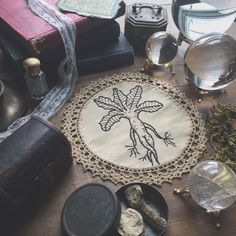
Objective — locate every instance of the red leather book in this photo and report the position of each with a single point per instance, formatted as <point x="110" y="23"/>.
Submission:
<point x="33" y="32"/>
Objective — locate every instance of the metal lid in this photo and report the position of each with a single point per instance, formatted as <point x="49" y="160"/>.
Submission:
<point x="32" y="65"/>
<point x="149" y="15"/>
<point x="91" y="210"/>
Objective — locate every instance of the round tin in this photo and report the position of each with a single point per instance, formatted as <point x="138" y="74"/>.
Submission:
<point x="91" y="210"/>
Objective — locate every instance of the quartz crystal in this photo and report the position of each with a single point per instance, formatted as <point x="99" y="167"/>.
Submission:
<point x="212" y="185"/>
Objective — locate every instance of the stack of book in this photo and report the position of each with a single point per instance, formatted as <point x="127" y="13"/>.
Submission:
<point x="100" y="45"/>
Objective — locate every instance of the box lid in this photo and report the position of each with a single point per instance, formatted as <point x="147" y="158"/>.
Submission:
<point x="92" y="209"/>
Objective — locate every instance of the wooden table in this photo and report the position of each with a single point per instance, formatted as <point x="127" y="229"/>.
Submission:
<point x="185" y="217"/>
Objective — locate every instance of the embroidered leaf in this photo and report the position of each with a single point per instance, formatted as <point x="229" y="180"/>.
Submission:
<point x="120" y="98"/>
<point x="107" y="103"/>
<point x="110" y="119"/>
<point x="149" y="106"/>
<point x="134" y="97"/>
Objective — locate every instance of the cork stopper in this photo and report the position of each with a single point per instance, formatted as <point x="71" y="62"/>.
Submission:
<point x="32" y="65"/>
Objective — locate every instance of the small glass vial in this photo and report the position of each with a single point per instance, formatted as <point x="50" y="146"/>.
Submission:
<point x="35" y="79"/>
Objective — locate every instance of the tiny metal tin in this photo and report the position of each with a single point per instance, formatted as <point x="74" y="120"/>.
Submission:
<point x="91" y="210"/>
<point x="142" y="20"/>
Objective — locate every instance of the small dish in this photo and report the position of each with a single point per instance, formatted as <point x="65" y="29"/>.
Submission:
<point x="153" y="198"/>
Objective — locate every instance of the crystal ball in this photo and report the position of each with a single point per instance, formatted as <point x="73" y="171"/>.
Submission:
<point x="210" y="61"/>
<point x="212" y="185"/>
<point x="194" y="18"/>
<point x="161" y="48"/>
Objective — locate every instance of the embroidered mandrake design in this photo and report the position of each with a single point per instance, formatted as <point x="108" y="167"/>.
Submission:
<point x="128" y="107"/>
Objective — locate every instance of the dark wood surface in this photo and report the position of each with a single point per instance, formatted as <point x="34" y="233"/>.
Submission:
<point x="185" y="217"/>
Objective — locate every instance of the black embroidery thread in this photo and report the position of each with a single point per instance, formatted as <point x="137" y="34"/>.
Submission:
<point x="128" y="107"/>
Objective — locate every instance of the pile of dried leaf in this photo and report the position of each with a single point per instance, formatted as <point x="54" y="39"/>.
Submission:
<point x="222" y="134"/>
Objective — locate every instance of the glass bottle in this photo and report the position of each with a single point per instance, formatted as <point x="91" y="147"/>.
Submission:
<point x="35" y="79"/>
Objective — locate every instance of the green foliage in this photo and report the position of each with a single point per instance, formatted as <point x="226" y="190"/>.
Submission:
<point x="222" y="134"/>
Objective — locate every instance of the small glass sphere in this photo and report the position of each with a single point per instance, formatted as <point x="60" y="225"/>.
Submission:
<point x="161" y="48"/>
<point x="210" y="61"/>
<point x="212" y="185"/>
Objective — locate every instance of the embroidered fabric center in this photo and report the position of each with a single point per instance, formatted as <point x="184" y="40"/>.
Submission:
<point x="130" y="127"/>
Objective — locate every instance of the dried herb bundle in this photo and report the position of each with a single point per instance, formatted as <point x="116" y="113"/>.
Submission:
<point x="222" y="134"/>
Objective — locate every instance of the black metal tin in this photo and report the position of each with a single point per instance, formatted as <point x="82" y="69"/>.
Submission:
<point x="153" y="198"/>
<point x="91" y="210"/>
<point x="31" y="160"/>
<point x="142" y="20"/>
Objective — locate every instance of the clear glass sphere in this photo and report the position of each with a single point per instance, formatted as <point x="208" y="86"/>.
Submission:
<point x="212" y="185"/>
<point x="161" y="48"/>
<point x="194" y="19"/>
<point x="210" y="61"/>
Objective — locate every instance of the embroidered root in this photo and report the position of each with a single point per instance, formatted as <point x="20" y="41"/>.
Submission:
<point x="128" y="107"/>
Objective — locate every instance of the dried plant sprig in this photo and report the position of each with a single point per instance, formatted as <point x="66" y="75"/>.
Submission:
<point x="222" y="134"/>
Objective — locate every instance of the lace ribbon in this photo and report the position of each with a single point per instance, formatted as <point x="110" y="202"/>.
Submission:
<point x="57" y="97"/>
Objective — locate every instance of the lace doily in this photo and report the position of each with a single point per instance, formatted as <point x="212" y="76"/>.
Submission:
<point x="133" y="128"/>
